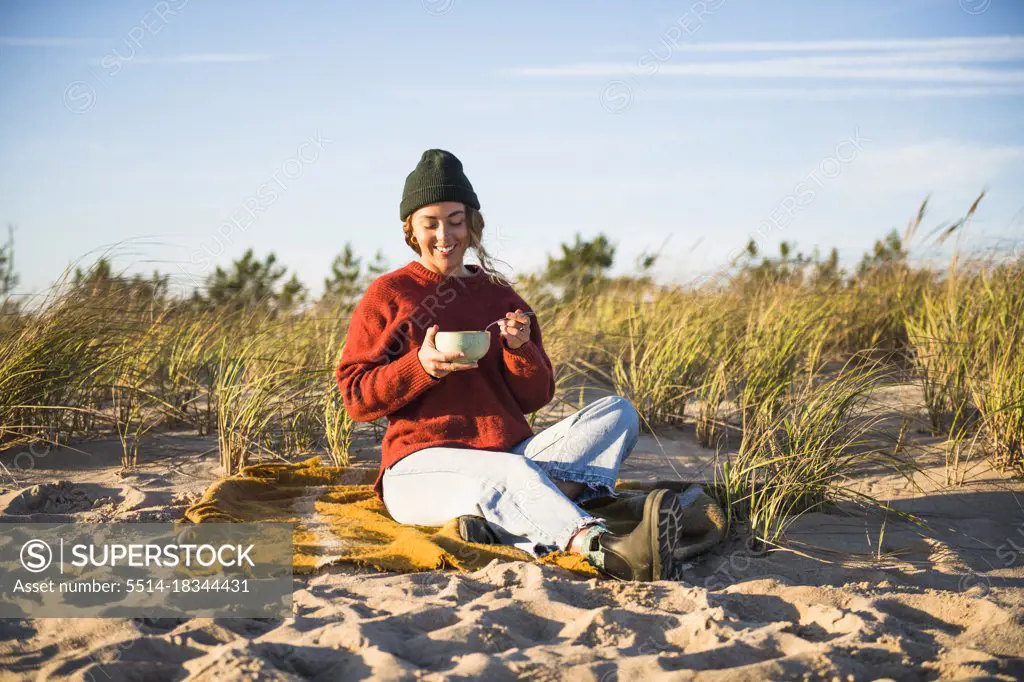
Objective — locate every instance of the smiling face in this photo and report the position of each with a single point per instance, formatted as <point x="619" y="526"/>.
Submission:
<point x="441" y="232"/>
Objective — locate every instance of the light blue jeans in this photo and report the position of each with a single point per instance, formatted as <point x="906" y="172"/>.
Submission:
<point x="514" y="490"/>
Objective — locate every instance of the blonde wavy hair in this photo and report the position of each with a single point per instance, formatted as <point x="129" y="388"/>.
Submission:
<point x="476" y="235"/>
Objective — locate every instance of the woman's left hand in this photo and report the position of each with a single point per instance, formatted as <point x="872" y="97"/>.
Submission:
<point x="515" y="329"/>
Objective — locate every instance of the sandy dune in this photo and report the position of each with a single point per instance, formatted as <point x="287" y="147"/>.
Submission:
<point x="924" y="603"/>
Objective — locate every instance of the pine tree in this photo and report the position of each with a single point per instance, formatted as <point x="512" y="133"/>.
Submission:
<point x="252" y="282"/>
<point x="8" y="277"/>
<point x="347" y="279"/>
<point x="343" y="282"/>
<point x="582" y="264"/>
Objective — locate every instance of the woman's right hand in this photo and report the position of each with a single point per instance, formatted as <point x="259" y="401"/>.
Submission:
<point x="438" y="364"/>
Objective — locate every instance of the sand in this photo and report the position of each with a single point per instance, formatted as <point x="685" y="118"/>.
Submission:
<point x="844" y="601"/>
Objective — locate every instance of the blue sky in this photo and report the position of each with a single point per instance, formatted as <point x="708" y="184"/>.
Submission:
<point x="185" y="132"/>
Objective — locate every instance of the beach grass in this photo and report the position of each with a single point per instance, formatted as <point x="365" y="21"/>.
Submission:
<point x="771" y="371"/>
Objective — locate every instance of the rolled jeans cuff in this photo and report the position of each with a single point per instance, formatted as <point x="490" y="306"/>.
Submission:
<point x="597" y="485"/>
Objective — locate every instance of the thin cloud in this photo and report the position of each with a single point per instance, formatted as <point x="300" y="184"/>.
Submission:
<point x="43" y="41"/>
<point x="850" y="45"/>
<point x="980" y="55"/>
<point x="952" y="74"/>
<point x="501" y="97"/>
<point x="790" y="93"/>
<point x="200" y="58"/>
<point x="937" y="60"/>
<point x="218" y="58"/>
<point x="791" y="69"/>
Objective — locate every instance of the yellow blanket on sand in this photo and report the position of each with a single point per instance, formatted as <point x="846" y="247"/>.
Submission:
<point x="338" y="519"/>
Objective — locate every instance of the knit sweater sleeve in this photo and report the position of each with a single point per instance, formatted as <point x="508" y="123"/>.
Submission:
<point x="528" y="370"/>
<point x="380" y="371"/>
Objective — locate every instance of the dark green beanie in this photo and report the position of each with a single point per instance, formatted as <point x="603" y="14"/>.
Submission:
<point x="437" y="177"/>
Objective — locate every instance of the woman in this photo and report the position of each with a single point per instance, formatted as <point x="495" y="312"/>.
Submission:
<point x="458" y="444"/>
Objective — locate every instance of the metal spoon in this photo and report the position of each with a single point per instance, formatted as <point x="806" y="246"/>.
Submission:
<point x="505" y="318"/>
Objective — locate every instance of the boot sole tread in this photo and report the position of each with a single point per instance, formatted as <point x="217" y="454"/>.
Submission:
<point x="670" y="530"/>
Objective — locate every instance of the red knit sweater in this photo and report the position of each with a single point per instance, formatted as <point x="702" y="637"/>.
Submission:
<point x="380" y="374"/>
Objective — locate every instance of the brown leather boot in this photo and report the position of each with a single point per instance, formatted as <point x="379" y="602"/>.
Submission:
<point x="619" y="513"/>
<point x="648" y="552"/>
